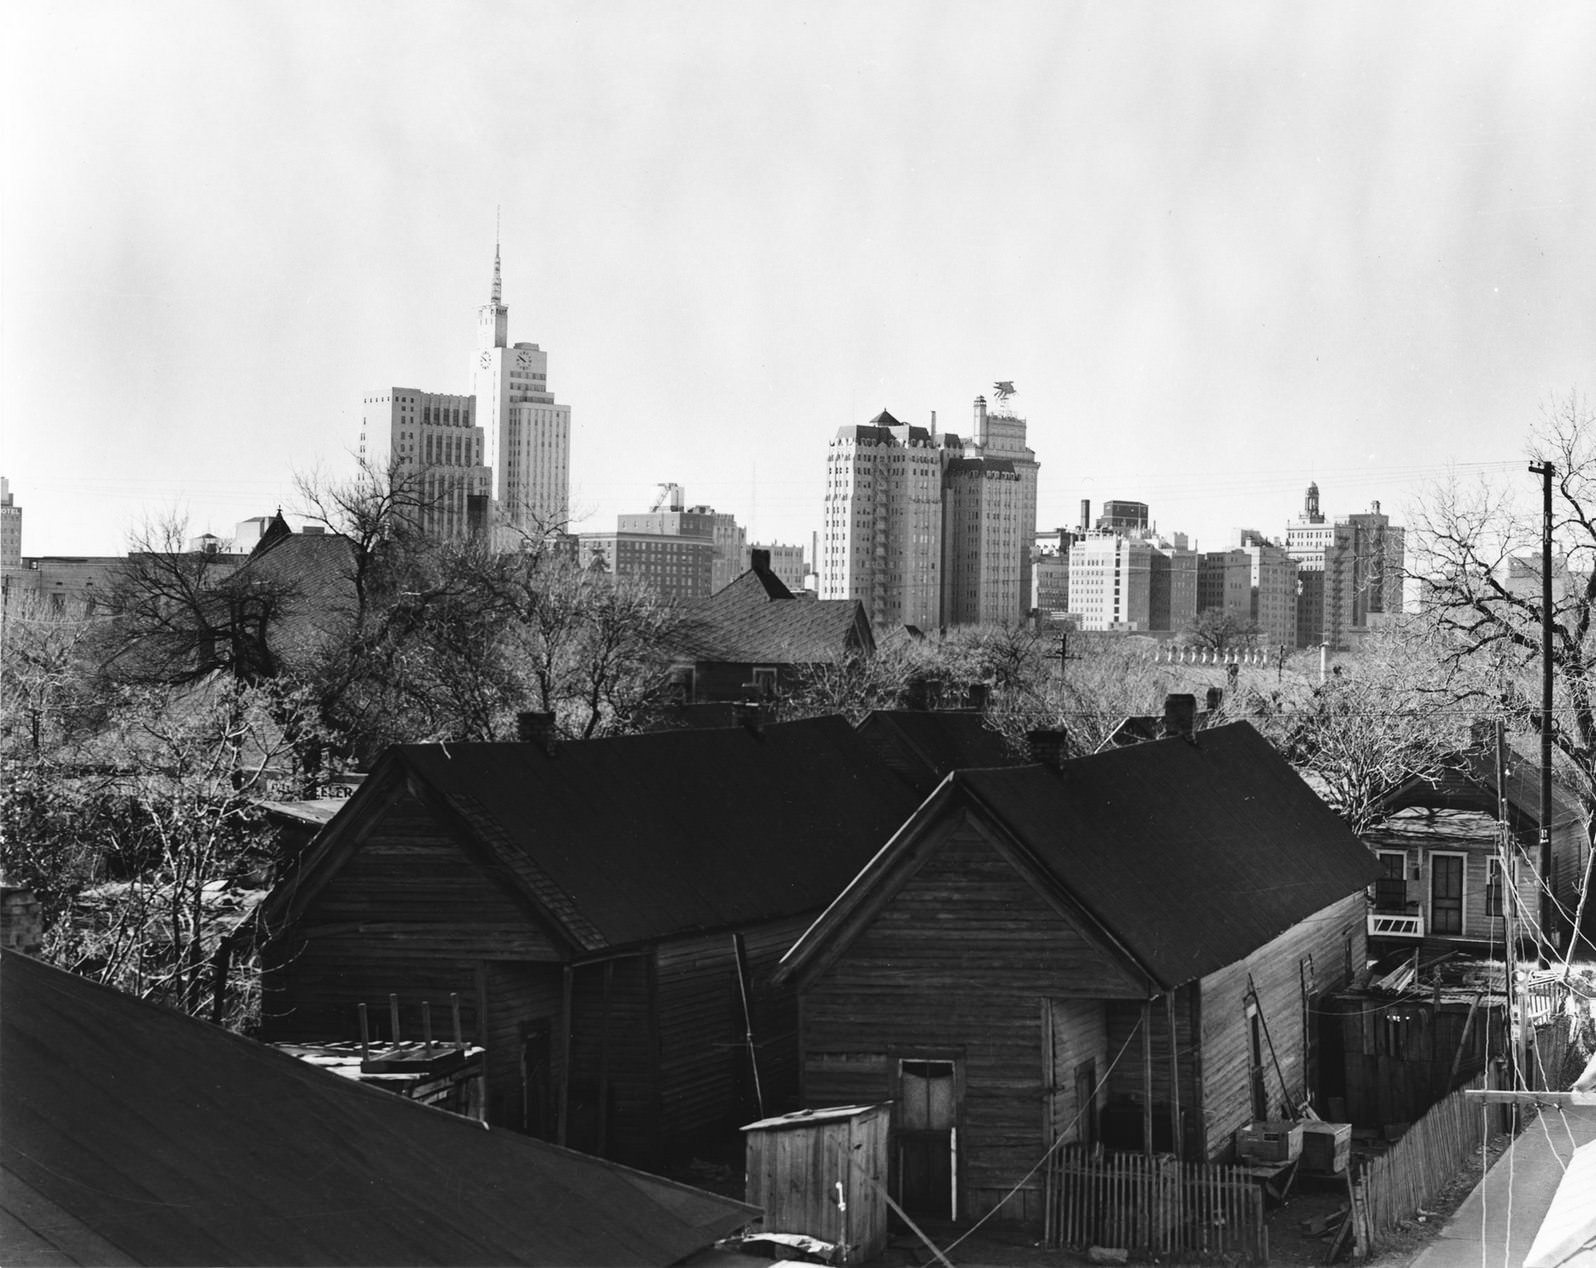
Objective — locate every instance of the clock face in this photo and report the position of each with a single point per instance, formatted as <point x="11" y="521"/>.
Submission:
<point x="485" y="360"/>
<point x="523" y="359"/>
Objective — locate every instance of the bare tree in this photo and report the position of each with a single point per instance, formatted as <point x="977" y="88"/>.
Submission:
<point x="1220" y="630"/>
<point x="1478" y="561"/>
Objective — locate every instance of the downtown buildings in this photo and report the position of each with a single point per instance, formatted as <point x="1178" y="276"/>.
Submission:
<point x="498" y="457"/>
<point x="1350" y="573"/>
<point x="930" y="528"/>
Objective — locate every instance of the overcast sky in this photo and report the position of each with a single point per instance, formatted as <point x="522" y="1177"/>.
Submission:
<point x="1221" y="250"/>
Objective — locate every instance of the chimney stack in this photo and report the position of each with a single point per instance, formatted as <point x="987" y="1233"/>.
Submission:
<point x="1180" y="716"/>
<point x="748" y="714"/>
<point x="759" y="561"/>
<point x="21" y="919"/>
<point x="535" y="727"/>
<point x="1048" y="748"/>
<point x="1086" y="515"/>
<point x="1214" y="698"/>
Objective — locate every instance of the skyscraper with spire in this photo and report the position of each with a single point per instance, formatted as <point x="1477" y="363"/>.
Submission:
<point x="528" y="435"/>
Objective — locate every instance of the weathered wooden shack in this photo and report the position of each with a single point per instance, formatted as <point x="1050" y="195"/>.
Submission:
<point x="1124" y="948"/>
<point x="608" y="911"/>
<point x="819" y="1173"/>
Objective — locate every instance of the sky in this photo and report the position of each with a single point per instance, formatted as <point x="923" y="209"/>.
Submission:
<point x="1221" y="250"/>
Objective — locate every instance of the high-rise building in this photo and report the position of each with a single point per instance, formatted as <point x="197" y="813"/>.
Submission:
<point x="527" y="434"/>
<point x="672" y="565"/>
<point x="670" y="517"/>
<point x="10" y="528"/>
<point x="929" y="528"/>
<point x="431" y="444"/>
<point x="1110" y="582"/>
<point x="1273" y="582"/>
<point x="1350" y="573"/>
<point x="883" y="522"/>
<point x="1224" y="583"/>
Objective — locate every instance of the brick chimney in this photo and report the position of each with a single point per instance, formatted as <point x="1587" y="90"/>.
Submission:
<point x="21" y="919"/>
<point x="759" y="561"/>
<point x="535" y="727"/>
<point x="1048" y="748"/>
<point x="1180" y="716"/>
<point x="1213" y="699"/>
<point x="750" y="716"/>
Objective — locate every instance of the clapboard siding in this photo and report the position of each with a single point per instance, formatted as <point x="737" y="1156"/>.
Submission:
<point x="1079" y="1033"/>
<point x="1331" y="940"/>
<point x="614" y="1093"/>
<point x="409" y="913"/>
<point x="1127" y="1085"/>
<point x="521" y="1001"/>
<point x="958" y="962"/>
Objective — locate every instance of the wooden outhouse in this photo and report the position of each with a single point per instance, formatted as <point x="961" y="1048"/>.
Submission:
<point x="823" y="1173"/>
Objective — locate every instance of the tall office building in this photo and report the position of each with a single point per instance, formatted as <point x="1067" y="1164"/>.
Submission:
<point x="1350" y="573"/>
<point x="434" y="448"/>
<point x="883" y="522"/>
<point x="1273" y="601"/>
<point x="928" y="528"/>
<point x="527" y="434"/>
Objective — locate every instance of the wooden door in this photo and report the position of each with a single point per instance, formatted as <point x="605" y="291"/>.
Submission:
<point x="928" y="1115"/>
<point x="1446" y="893"/>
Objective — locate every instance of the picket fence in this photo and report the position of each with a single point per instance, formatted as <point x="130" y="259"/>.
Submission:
<point x="1393" y="1186"/>
<point x="1154" y="1206"/>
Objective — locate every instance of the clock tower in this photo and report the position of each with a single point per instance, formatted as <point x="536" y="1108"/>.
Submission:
<point x="527" y="434"/>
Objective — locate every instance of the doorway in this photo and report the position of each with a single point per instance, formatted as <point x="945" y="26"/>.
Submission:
<point x="928" y="1113"/>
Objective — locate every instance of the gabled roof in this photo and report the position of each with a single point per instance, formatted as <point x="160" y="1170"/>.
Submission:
<point x="1187" y="856"/>
<point x="1468" y="782"/>
<point x="757" y="620"/>
<point x="624" y="840"/>
<point x="925" y="745"/>
<point x="317" y="571"/>
<point x="132" y="1134"/>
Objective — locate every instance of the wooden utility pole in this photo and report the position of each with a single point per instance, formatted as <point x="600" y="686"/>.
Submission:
<point x="1548" y="938"/>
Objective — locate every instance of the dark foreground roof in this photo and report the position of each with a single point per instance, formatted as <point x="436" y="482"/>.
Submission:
<point x="1190" y="855"/>
<point x="638" y="837"/>
<point x="924" y="745"/>
<point x="135" y="1135"/>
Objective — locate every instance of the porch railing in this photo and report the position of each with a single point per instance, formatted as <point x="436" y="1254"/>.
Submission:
<point x="1393" y="924"/>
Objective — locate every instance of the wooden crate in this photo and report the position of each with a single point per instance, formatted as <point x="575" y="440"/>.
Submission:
<point x="1326" y="1147"/>
<point x="1269" y="1141"/>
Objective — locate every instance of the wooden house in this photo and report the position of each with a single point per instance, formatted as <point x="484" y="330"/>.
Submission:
<point x="756" y="631"/>
<point x="1122" y="949"/>
<point x="133" y="1134"/>
<point x="607" y="911"/>
<point x="1452" y="872"/>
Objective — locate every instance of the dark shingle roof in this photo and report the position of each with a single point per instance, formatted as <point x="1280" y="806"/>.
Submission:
<point x="647" y="836"/>
<point x="1192" y="855"/>
<point x="131" y="1134"/>
<point x="1189" y="856"/>
<point x="756" y="619"/>
<point x="925" y="745"/>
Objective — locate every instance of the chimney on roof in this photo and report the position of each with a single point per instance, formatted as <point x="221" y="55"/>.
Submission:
<point x="1180" y="716"/>
<point x="917" y="695"/>
<point x="1048" y="748"/>
<point x="1213" y="699"/>
<point x="536" y="727"/>
<point x="977" y="696"/>
<point x="1086" y="514"/>
<point x="21" y="919"/>
<point x="759" y="561"/>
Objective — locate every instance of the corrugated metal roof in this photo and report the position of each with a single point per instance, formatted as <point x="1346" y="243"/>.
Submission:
<point x="1193" y="855"/>
<point x="132" y="1134"/>
<point x="654" y="835"/>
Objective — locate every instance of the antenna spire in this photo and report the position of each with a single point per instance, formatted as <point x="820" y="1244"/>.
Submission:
<point x="498" y="289"/>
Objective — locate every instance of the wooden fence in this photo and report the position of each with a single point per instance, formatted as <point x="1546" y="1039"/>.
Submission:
<point x="1153" y="1206"/>
<point x="1395" y="1185"/>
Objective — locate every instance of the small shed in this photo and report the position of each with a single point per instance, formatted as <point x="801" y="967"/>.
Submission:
<point x="823" y="1173"/>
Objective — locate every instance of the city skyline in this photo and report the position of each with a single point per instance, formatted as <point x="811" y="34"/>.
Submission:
<point x="1221" y="253"/>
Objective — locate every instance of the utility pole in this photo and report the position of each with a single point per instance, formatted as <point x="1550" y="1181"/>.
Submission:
<point x="1548" y="910"/>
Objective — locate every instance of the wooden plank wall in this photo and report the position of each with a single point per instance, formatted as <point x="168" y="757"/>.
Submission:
<point x="1331" y="938"/>
<point x="1125" y="1090"/>
<point x="517" y="997"/>
<point x="614" y="1094"/>
<point x="408" y="913"/>
<point x="1079" y="1032"/>
<point x="706" y="1079"/>
<point x="958" y="962"/>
